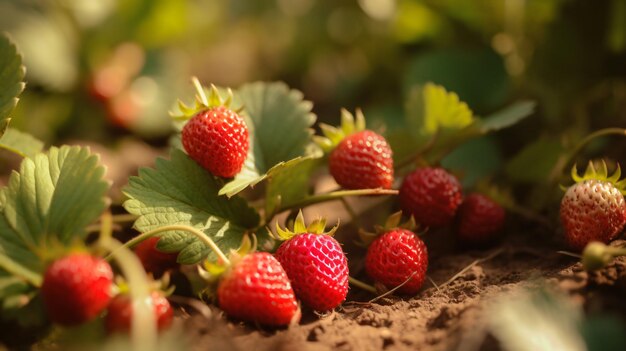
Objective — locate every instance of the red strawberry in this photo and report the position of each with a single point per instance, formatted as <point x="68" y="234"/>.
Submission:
<point x="593" y="208"/>
<point x="215" y="136"/>
<point x="153" y="260"/>
<point x="479" y="218"/>
<point x="359" y="158"/>
<point x="362" y="161"/>
<point x="218" y="140"/>
<point x="256" y="289"/>
<point x="318" y="269"/>
<point x="119" y="313"/>
<point x="431" y="195"/>
<point x="76" y="288"/>
<point x="396" y="255"/>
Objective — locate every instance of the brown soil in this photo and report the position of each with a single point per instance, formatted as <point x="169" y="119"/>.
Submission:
<point x="446" y="317"/>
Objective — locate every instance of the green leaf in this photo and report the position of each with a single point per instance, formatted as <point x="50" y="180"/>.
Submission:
<point x="507" y="116"/>
<point x="536" y="321"/>
<point x="535" y="162"/>
<point x="433" y="110"/>
<point x="20" y="143"/>
<point x="179" y="191"/>
<point x="280" y="123"/>
<point x="289" y="182"/>
<point x="11" y="79"/>
<point x="478" y="76"/>
<point x="49" y="202"/>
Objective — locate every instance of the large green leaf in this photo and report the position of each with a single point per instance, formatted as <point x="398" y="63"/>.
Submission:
<point x="11" y="76"/>
<point x="535" y="161"/>
<point x="179" y="191"/>
<point x="48" y="203"/>
<point x="280" y="123"/>
<point x="20" y="143"/>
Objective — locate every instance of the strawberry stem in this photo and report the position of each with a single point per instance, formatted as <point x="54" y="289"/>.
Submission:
<point x="566" y="160"/>
<point x="335" y="195"/>
<point x="362" y="285"/>
<point x="143" y="324"/>
<point x="197" y="233"/>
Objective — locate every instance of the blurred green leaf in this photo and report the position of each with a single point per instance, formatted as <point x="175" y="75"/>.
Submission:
<point x="280" y="127"/>
<point x="536" y="321"/>
<point x="477" y="76"/>
<point x="49" y="202"/>
<point x="604" y="333"/>
<point x="20" y="143"/>
<point x="179" y="191"/>
<point x="507" y="117"/>
<point x="11" y="79"/>
<point x="431" y="110"/>
<point x="535" y="162"/>
<point x="474" y="160"/>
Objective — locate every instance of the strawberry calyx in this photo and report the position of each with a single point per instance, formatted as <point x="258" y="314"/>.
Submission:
<point x="211" y="272"/>
<point x="202" y="102"/>
<point x="350" y="124"/>
<point x="317" y="226"/>
<point x="161" y="285"/>
<point x="392" y="222"/>
<point x="601" y="174"/>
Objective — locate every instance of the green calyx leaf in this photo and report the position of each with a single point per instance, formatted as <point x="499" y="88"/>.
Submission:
<point x="180" y="192"/>
<point x="202" y="102"/>
<point x="46" y="206"/>
<point x="317" y="226"/>
<point x="11" y="79"/>
<point x="350" y="124"/>
<point x="601" y="174"/>
<point x="392" y="222"/>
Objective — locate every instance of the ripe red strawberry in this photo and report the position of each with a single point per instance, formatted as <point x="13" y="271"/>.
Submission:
<point x="362" y="161"/>
<point x="76" y="288"/>
<point x="153" y="260"/>
<point x="317" y="268"/>
<point x="359" y="158"/>
<point x="479" y="218"/>
<point x="120" y="311"/>
<point x="315" y="263"/>
<point x="256" y="289"/>
<point x="396" y="255"/>
<point x="593" y="208"/>
<point x="431" y="195"/>
<point x="214" y="136"/>
<point x="218" y="140"/>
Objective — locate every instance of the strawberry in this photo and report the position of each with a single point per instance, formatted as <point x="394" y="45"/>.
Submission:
<point x="360" y="159"/>
<point x="120" y="311"/>
<point x="256" y="289"/>
<point x="153" y="260"/>
<point x="593" y="209"/>
<point x="479" y="218"/>
<point x="215" y="137"/>
<point x="395" y="256"/>
<point x="431" y="195"/>
<point x="315" y="264"/>
<point x="76" y="288"/>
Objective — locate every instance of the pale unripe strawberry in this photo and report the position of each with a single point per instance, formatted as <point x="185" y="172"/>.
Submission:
<point x="593" y="209"/>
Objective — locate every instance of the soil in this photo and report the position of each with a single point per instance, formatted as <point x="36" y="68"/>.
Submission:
<point x="449" y="316"/>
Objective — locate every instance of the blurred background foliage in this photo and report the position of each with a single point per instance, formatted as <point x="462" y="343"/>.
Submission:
<point x="98" y="70"/>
